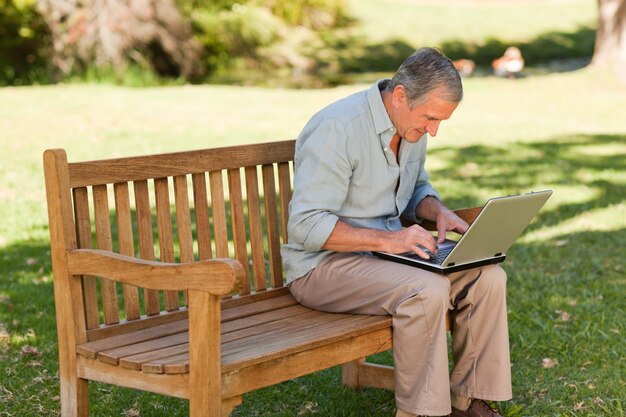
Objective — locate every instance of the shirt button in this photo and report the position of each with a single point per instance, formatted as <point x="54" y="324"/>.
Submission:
<point x="386" y="149"/>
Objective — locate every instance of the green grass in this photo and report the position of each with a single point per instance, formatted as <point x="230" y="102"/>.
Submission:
<point x="564" y="131"/>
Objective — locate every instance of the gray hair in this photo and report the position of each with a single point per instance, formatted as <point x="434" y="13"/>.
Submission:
<point x="426" y="70"/>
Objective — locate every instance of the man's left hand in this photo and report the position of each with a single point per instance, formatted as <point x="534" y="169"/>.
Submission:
<point x="431" y="208"/>
<point x="448" y="221"/>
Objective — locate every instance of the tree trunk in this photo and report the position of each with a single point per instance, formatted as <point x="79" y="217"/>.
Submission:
<point x="112" y="32"/>
<point x="610" y="47"/>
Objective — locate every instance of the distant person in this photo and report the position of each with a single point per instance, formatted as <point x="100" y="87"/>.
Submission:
<point x="359" y="166"/>
<point x="510" y="64"/>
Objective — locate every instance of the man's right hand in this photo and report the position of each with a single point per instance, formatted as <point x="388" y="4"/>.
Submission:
<point x="346" y="238"/>
<point x="408" y="239"/>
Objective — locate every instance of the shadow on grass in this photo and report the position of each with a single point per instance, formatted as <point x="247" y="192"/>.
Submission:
<point x="565" y="300"/>
<point x="342" y="55"/>
<point x="585" y="161"/>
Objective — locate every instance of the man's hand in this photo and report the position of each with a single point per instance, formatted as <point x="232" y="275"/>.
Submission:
<point x="346" y="238"/>
<point x="432" y="209"/>
<point x="408" y="239"/>
<point x="448" y="221"/>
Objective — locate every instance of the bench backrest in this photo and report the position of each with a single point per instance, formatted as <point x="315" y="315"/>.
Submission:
<point x="229" y="202"/>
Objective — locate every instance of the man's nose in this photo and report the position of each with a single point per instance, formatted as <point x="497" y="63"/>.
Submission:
<point x="432" y="128"/>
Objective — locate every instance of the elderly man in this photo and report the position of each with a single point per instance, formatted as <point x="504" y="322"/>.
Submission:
<point x="359" y="166"/>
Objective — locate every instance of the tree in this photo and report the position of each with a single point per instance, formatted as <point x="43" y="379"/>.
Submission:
<point x="610" y="47"/>
<point x="151" y="33"/>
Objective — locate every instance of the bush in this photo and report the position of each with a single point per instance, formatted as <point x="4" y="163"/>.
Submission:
<point x="24" y="43"/>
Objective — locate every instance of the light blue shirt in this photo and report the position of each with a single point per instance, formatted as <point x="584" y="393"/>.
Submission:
<point x="345" y="170"/>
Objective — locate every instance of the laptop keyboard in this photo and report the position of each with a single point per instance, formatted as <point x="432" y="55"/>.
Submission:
<point x="441" y="255"/>
<point x="434" y="259"/>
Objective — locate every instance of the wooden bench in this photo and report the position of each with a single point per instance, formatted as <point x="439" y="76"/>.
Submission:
<point x="168" y="278"/>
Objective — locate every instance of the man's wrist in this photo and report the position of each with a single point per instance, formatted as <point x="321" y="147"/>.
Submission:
<point x="429" y="207"/>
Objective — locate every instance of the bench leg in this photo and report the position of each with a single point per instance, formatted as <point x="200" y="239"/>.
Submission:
<point x="350" y="373"/>
<point x="358" y="374"/>
<point x="74" y="397"/>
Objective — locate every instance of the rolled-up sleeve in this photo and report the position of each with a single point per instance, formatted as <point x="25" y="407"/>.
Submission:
<point x="422" y="190"/>
<point x="321" y="181"/>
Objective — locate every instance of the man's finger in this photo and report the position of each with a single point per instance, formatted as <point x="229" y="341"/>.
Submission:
<point x="441" y="232"/>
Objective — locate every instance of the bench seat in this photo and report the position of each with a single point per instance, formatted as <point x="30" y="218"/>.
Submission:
<point x="251" y="334"/>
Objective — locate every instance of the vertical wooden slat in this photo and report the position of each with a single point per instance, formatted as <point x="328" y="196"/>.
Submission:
<point x="183" y="220"/>
<point x="284" y="183"/>
<point x="203" y="223"/>
<point x="146" y="240"/>
<point x="83" y="232"/>
<point x="166" y="240"/>
<point x="238" y="225"/>
<point x="219" y="214"/>
<point x="271" y="220"/>
<point x="127" y="246"/>
<point x="256" y="229"/>
<point x="103" y="237"/>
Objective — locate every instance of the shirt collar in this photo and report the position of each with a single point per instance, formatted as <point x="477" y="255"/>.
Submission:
<point x="380" y="117"/>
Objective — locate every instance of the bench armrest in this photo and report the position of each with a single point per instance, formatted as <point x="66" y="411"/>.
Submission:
<point x="216" y="276"/>
<point x="467" y="214"/>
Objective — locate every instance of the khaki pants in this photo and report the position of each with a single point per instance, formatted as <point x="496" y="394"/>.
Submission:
<point x="418" y="301"/>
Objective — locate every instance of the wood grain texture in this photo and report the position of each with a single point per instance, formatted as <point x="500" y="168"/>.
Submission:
<point x="203" y="220"/>
<point x="84" y="238"/>
<point x="217" y="276"/>
<point x="256" y="228"/>
<point x="166" y="239"/>
<point x="108" y="289"/>
<point x="126" y="246"/>
<point x="181" y="163"/>
<point x="146" y="240"/>
<point x="272" y="225"/>
<point x="70" y="312"/>
<point x="238" y="225"/>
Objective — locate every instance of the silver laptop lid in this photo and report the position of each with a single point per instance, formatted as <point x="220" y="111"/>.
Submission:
<point x="496" y="227"/>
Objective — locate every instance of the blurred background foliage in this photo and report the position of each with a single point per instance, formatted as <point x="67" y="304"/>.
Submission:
<point x="295" y="43"/>
<point x="24" y="40"/>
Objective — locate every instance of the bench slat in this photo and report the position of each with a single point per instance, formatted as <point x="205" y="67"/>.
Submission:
<point x="108" y="288"/>
<point x="258" y="307"/>
<point x="164" y="228"/>
<point x="331" y="332"/>
<point x="262" y="306"/>
<point x="203" y="222"/>
<point x="91" y="349"/>
<point x="284" y="183"/>
<point x="271" y="219"/>
<point x="239" y="225"/>
<point x="179" y="163"/>
<point x="168" y="336"/>
<point x="235" y="341"/>
<point x="218" y="204"/>
<point x="153" y="356"/>
<point x="146" y="240"/>
<point x="84" y="239"/>
<point x="126" y="246"/>
<point x="256" y="228"/>
<point x="183" y="220"/>
<point x="319" y="330"/>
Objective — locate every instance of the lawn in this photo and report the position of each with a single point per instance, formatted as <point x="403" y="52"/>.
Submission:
<point x="564" y="131"/>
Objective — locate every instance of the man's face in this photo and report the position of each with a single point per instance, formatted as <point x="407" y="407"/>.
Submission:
<point x="413" y="124"/>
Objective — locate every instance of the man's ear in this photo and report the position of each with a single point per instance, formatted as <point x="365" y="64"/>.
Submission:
<point x="399" y="95"/>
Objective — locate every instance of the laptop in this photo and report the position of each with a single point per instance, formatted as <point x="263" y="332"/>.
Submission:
<point x="486" y="241"/>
